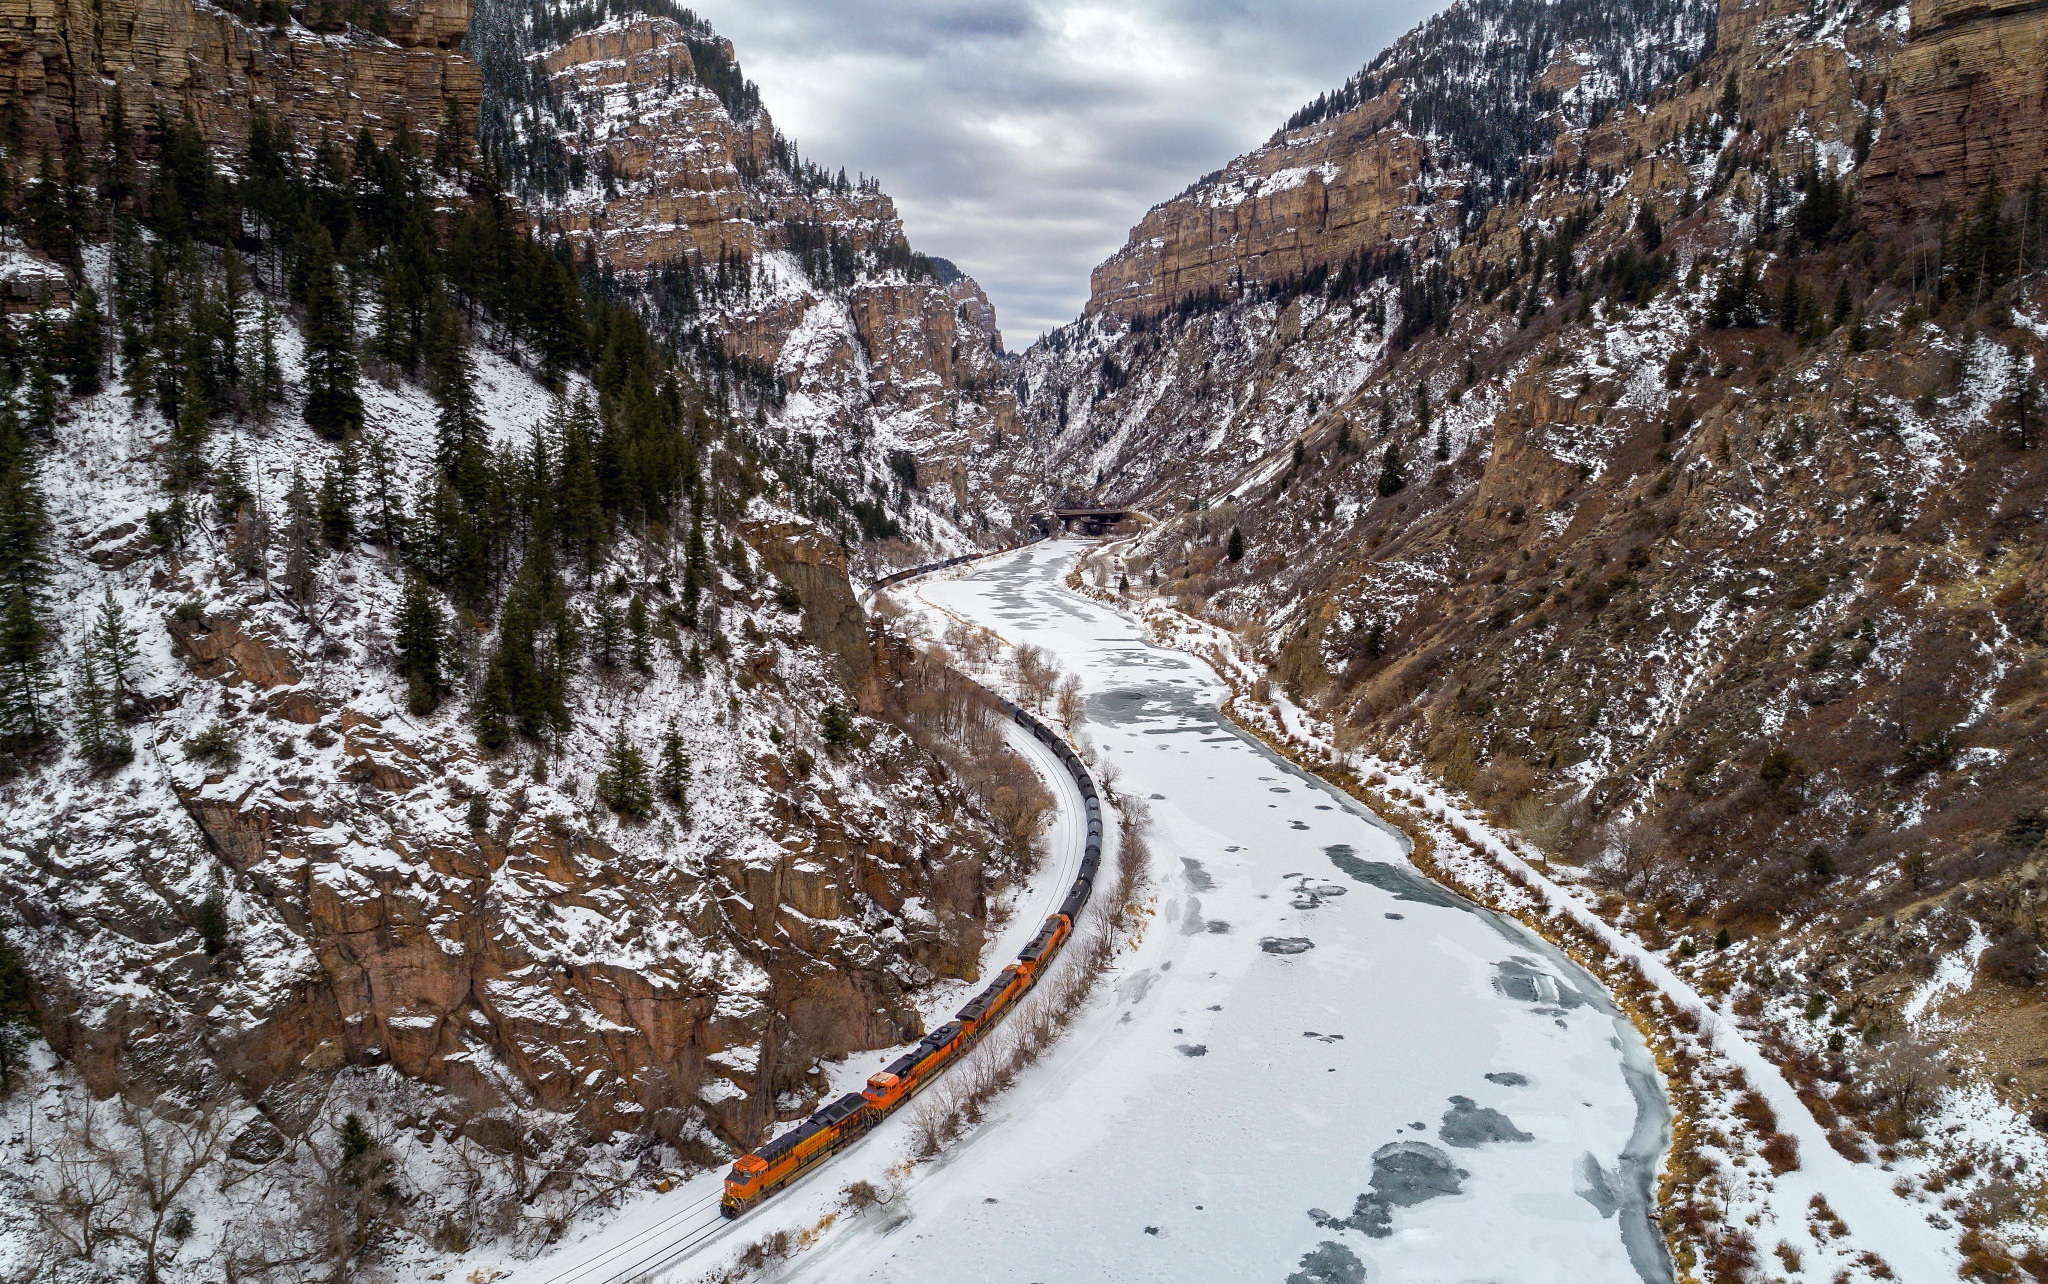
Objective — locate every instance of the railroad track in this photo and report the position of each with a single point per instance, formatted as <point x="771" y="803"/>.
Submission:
<point x="684" y="1231"/>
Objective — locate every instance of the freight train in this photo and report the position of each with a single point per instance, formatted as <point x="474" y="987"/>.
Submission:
<point x="756" y="1176"/>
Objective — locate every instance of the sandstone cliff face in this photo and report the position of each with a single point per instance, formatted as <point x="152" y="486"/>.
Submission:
<point x="64" y="58"/>
<point x="1966" y="105"/>
<point x="1307" y="200"/>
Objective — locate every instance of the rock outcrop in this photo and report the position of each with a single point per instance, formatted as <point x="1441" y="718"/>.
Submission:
<point x="1309" y="199"/>
<point x="64" y="59"/>
<point x="1966" y="105"/>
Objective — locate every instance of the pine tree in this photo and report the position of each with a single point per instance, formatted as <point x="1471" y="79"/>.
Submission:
<point x="101" y="741"/>
<point x="338" y="497"/>
<point x="266" y="385"/>
<point x="420" y="632"/>
<point x="185" y="461"/>
<point x="84" y="342"/>
<point x="2024" y="404"/>
<point x="40" y="404"/>
<point x="24" y="583"/>
<point x="493" y="711"/>
<point x="581" y="518"/>
<point x="674" y="775"/>
<point x="623" y="785"/>
<point x="17" y="1012"/>
<point x="231" y="480"/>
<point x="1234" y="550"/>
<point x="386" y="524"/>
<point x="301" y="541"/>
<point x="334" y="408"/>
<point x="640" y="640"/>
<point x="609" y="635"/>
<point x="113" y="643"/>
<point x="1392" y="480"/>
<point x="460" y="441"/>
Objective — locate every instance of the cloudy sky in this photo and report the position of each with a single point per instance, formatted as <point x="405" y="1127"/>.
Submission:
<point x="1023" y="138"/>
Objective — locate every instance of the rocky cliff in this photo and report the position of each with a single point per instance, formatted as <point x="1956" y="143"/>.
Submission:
<point x="64" y="61"/>
<point x="1427" y="135"/>
<point x="1966" y="104"/>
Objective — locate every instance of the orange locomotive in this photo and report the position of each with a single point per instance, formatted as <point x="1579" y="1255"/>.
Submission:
<point x="754" y="1177"/>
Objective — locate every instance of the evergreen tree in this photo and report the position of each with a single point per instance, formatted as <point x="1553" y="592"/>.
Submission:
<point x="418" y="645"/>
<point x="266" y="384"/>
<point x="624" y="785"/>
<point x="1738" y="298"/>
<point x="231" y="480"/>
<point x="1392" y="480"/>
<point x="386" y="524"/>
<point x="2024" y="405"/>
<point x="536" y="646"/>
<point x="581" y="519"/>
<point x="212" y="922"/>
<point x="609" y="635"/>
<point x="301" y="541"/>
<point x="24" y="584"/>
<point x="83" y="343"/>
<point x="493" y="711"/>
<point x="640" y="640"/>
<point x="673" y="778"/>
<point x="112" y="642"/>
<point x="101" y="742"/>
<point x="334" y="407"/>
<point x="338" y="497"/>
<point x="1234" y="550"/>
<point x="461" y="443"/>
<point x="185" y="462"/>
<point x="17" y="1012"/>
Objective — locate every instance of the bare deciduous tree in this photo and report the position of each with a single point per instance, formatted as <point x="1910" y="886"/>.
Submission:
<point x="1904" y="1072"/>
<point x="172" y="1142"/>
<point x="81" y="1200"/>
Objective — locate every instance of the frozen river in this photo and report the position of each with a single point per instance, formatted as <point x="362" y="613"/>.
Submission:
<point x="1317" y="1067"/>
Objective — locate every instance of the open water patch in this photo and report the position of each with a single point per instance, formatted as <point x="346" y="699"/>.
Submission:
<point x="1527" y="981"/>
<point x="1469" y="1125"/>
<point x="1329" y="1263"/>
<point x="1404" y="1174"/>
<point x="1403" y="885"/>
<point x="1287" y="945"/>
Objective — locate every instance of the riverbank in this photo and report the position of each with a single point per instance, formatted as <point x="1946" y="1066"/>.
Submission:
<point x="1751" y="1181"/>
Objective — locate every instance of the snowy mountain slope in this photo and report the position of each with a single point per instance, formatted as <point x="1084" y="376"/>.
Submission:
<point x="1676" y="502"/>
<point x="633" y="132"/>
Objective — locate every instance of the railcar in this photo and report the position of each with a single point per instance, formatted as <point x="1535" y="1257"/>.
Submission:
<point x="755" y="1176"/>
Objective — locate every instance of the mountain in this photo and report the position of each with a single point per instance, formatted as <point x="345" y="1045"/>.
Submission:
<point x="633" y="133"/>
<point x="450" y="778"/>
<point x="1632" y="417"/>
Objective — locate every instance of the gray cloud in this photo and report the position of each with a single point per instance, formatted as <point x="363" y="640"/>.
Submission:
<point x="1023" y="138"/>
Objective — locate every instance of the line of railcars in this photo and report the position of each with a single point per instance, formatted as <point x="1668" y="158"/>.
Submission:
<point x="832" y="1128"/>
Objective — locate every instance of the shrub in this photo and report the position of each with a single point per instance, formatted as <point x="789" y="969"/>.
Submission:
<point x="212" y="922"/>
<point x="1781" y="770"/>
<point x="835" y="724"/>
<point x="2015" y="959"/>
<point x="214" y="747"/>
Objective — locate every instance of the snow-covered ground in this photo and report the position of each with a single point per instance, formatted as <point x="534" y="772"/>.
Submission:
<point x="1315" y="1061"/>
<point x="676" y="1234"/>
